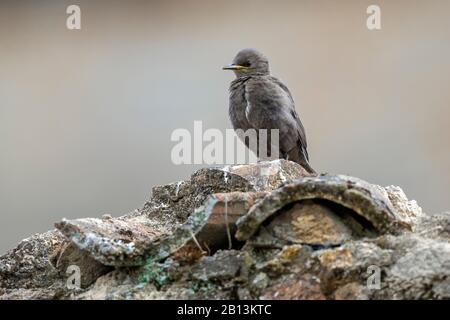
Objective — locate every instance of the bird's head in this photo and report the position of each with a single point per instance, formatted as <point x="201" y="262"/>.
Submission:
<point x="249" y="62"/>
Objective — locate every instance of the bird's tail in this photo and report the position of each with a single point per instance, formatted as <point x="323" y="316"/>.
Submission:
<point x="308" y="168"/>
<point x="297" y="155"/>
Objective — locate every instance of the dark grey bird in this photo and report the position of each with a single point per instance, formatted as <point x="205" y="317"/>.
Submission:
<point x="260" y="101"/>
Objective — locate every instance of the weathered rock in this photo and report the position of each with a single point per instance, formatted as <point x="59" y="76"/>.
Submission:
<point x="268" y="175"/>
<point x="176" y="201"/>
<point x="36" y="269"/>
<point x="289" y="258"/>
<point x="315" y="223"/>
<point x="220" y="225"/>
<point x="260" y="281"/>
<point x="435" y="226"/>
<point x="422" y="271"/>
<point x="300" y="237"/>
<point x="90" y="269"/>
<point x="31" y="263"/>
<point x="178" y="212"/>
<point x="114" y="241"/>
<point x="355" y="194"/>
<point x="30" y="294"/>
<point x="351" y="291"/>
<point x="224" y="265"/>
<point x="305" y="287"/>
<point x="408" y="210"/>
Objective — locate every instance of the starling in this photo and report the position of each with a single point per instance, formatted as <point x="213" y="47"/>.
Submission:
<point x="261" y="101"/>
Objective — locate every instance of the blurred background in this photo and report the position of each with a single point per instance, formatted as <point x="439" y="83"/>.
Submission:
<point x="86" y="115"/>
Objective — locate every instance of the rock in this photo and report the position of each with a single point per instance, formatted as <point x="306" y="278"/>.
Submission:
<point x="244" y="294"/>
<point x="350" y="263"/>
<point x="259" y="231"/>
<point x="114" y="241"/>
<point x="435" y="226"/>
<point x="31" y="263"/>
<point x="179" y="199"/>
<point x="268" y="175"/>
<point x="421" y="272"/>
<point x="362" y="198"/>
<point x="408" y="210"/>
<point x="305" y="287"/>
<point x="30" y="294"/>
<point x="220" y="227"/>
<point x="351" y="291"/>
<point x="314" y="223"/>
<point x="178" y="212"/>
<point x="224" y="265"/>
<point x="289" y="258"/>
<point x="36" y="269"/>
<point x="261" y="281"/>
<point x="90" y="269"/>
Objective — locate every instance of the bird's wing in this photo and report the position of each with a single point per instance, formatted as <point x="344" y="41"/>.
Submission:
<point x="301" y="130"/>
<point x="270" y="106"/>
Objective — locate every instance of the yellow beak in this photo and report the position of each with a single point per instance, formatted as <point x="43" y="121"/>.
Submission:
<point x="234" y="67"/>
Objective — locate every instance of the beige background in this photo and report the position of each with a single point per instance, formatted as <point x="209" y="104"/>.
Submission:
<point x="86" y="116"/>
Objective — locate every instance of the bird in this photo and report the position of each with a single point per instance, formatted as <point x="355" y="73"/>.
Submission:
<point x="259" y="100"/>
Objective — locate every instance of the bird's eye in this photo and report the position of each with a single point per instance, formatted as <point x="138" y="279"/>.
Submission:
<point x="246" y="64"/>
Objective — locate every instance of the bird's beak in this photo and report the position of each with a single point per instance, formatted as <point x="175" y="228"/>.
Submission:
<point x="234" y="67"/>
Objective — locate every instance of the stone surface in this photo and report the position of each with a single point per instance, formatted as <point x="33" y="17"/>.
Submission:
<point x="362" y="198"/>
<point x="220" y="226"/>
<point x="314" y="223"/>
<point x="305" y="287"/>
<point x="90" y="269"/>
<point x="409" y="210"/>
<point x="435" y="226"/>
<point x="113" y="241"/>
<point x="178" y="212"/>
<point x="222" y="266"/>
<point x="351" y="291"/>
<point x="29" y="270"/>
<point x="297" y="237"/>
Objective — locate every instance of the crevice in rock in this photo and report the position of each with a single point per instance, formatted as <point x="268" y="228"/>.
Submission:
<point x="317" y="223"/>
<point x="360" y="225"/>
